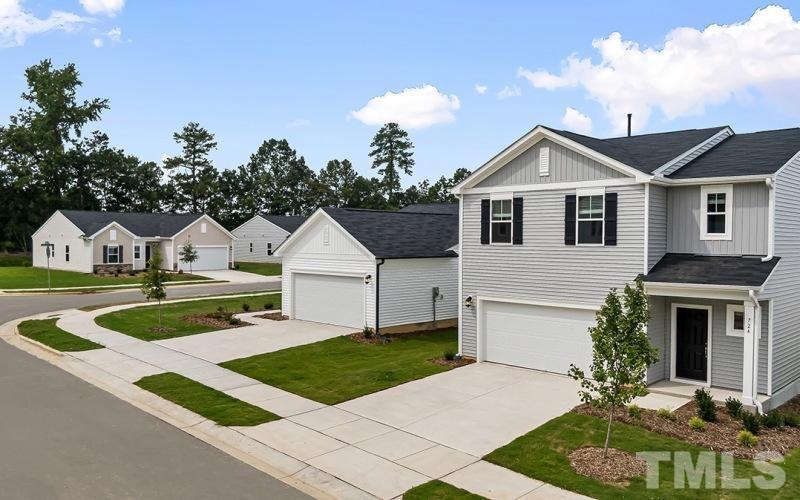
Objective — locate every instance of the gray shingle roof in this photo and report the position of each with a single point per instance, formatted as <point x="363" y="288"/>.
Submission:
<point x="140" y="224"/>
<point x="432" y="208"/>
<point x="744" y="154"/>
<point x="398" y="235"/>
<point x="288" y="223"/>
<point x="711" y="270"/>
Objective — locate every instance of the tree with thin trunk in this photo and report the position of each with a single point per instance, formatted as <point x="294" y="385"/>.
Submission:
<point x="194" y="177"/>
<point x="621" y="353"/>
<point x="188" y="255"/>
<point x="392" y="154"/>
<point x="154" y="282"/>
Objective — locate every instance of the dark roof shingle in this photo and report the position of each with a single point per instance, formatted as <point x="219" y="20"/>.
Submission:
<point x="432" y="208"/>
<point x="711" y="270"/>
<point x="288" y="223"/>
<point x="140" y="224"/>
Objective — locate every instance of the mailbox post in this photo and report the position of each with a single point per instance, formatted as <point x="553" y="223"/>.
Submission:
<point x="48" y="250"/>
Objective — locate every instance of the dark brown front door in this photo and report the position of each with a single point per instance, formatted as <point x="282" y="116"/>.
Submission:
<point x="691" y="349"/>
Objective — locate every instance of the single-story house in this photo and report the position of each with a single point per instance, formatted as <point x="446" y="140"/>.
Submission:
<point x="93" y="241"/>
<point x="257" y="239"/>
<point x="386" y="270"/>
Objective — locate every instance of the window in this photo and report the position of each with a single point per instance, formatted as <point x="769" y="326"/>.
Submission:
<point x="203" y="228"/>
<point x="590" y="218"/>
<point x="112" y="235"/>
<point x="544" y="161"/>
<point x="716" y="202"/>
<point x="269" y="248"/>
<point x="137" y="253"/>
<point x="501" y="221"/>
<point x="113" y="254"/>
<point x="735" y="320"/>
<point x="66" y="253"/>
<point x="251" y="247"/>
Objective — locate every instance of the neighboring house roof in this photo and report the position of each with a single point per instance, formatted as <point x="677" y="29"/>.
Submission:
<point x="744" y="154"/>
<point x="711" y="270"/>
<point x="141" y="224"/>
<point x="288" y="223"/>
<point x="394" y="234"/>
<point x="432" y="208"/>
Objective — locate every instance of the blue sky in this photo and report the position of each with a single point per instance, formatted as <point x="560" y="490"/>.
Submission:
<point x="249" y="71"/>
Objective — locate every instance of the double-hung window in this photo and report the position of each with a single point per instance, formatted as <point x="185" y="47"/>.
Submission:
<point x="590" y="217"/>
<point x="66" y="253"/>
<point x="251" y="247"/>
<point x="113" y="254"/>
<point x="269" y="248"/>
<point x="137" y="252"/>
<point x="716" y="203"/>
<point x="501" y="220"/>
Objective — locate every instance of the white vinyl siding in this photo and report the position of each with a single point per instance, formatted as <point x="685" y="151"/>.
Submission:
<point x="657" y="228"/>
<point x="257" y="233"/>
<point x="59" y="231"/>
<point x="406" y="290"/>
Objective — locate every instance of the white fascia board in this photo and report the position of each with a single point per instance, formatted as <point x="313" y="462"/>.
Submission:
<point x="280" y="251"/>
<point x="552" y="186"/>
<point x="119" y="226"/>
<point x="663" y="181"/>
<point x="720" y="292"/>
<point x="48" y="220"/>
<point x="727" y="131"/>
<point x="791" y="160"/>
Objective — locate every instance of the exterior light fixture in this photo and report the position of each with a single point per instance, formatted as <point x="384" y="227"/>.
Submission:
<point x="368" y="279"/>
<point x="468" y="301"/>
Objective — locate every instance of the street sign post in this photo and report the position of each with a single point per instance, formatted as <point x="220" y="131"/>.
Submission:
<point x="48" y="249"/>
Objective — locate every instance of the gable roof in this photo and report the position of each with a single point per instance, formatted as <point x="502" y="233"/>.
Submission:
<point x="395" y="234"/>
<point x="744" y="154"/>
<point x="432" y="208"/>
<point x="288" y="223"/>
<point x="141" y="224"/>
<point x="711" y="270"/>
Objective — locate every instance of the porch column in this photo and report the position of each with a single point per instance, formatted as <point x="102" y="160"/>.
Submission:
<point x="752" y="331"/>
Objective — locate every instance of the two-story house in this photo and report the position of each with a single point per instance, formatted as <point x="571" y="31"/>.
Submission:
<point x="709" y="218"/>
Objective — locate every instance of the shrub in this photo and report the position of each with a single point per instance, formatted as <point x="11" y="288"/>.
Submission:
<point x="245" y="307"/>
<point x="746" y="439"/>
<point x="449" y="355"/>
<point x="180" y="271"/>
<point x="751" y="422"/>
<point x="268" y="306"/>
<point x="791" y="420"/>
<point x="697" y="424"/>
<point x="773" y="420"/>
<point x="706" y="409"/>
<point x="665" y="413"/>
<point x="734" y="407"/>
<point x="235" y="321"/>
<point x="368" y="333"/>
<point x="236" y="267"/>
<point x="634" y="412"/>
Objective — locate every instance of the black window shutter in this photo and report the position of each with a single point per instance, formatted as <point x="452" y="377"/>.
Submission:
<point x="120" y="255"/>
<point x="105" y="254"/>
<point x="570" y="209"/>
<point x="611" y="219"/>
<point x="485" y="208"/>
<point x="517" y="221"/>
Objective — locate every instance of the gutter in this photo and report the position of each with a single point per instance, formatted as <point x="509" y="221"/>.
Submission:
<point x="378" y="294"/>
<point x="756" y="334"/>
<point x="771" y="221"/>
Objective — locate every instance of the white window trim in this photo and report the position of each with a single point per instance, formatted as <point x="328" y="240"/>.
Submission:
<point x="726" y="189"/>
<point x="589" y="192"/>
<point x="501" y="197"/>
<point x="673" y="345"/>
<point x="730" y="309"/>
<point x="137" y="252"/>
<point x="108" y="254"/>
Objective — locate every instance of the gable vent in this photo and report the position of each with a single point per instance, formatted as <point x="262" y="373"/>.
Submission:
<point x="544" y="160"/>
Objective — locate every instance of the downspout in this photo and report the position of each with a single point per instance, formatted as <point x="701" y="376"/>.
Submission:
<point x="770" y="221"/>
<point x="756" y="334"/>
<point x="378" y="295"/>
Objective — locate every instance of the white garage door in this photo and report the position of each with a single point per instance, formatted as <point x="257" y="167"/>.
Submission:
<point x="337" y="300"/>
<point x="208" y="259"/>
<point x="539" y="337"/>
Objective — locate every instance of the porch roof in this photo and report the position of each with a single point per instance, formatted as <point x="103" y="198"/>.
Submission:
<point x="718" y="270"/>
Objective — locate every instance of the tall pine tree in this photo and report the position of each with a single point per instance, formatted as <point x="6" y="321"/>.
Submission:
<point x="392" y="155"/>
<point x="194" y="176"/>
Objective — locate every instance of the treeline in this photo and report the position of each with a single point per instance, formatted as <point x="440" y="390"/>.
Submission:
<point x="48" y="162"/>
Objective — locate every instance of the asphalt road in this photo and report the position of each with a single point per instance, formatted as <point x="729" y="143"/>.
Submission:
<point x="61" y="437"/>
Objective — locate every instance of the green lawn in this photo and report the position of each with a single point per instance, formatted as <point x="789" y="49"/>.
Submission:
<point x="35" y="277"/>
<point x="15" y="259"/>
<point x="340" y="369"/>
<point x="46" y="332"/>
<point x="137" y="321"/>
<point x="205" y="401"/>
<point x="543" y="454"/>
<point x="265" y="268"/>
<point x="438" y="490"/>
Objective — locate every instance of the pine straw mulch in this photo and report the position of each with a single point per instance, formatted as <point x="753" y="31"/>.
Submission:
<point x="452" y="363"/>
<point x="274" y="316"/>
<point x="212" y="321"/>
<point x="616" y="468"/>
<point x="719" y="436"/>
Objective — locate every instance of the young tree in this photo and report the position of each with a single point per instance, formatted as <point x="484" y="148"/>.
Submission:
<point x="154" y="282"/>
<point x="188" y="255"/>
<point x="621" y="353"/>
<point x="392" y="154"/>
<point x="195" y="176"/>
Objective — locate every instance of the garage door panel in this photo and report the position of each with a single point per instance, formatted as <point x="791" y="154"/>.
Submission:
<point x="337" y="300"/>
<point x="208" y="259"/>
<point x="543" y="338"/>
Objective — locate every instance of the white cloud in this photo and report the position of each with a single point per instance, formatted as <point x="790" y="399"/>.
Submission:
<point x="692" y="70"/>
<point x="300" y="122"/>
<point x="97" y="42"/>
<point x="107" y="7"/>
<point x="16" y="24"/>
<point x="414" y="108"/>
<point x="115" y="34"/>
<point x="576" y="121"/>
<point x="481" y="89"/>
<point x="509" y="91"/>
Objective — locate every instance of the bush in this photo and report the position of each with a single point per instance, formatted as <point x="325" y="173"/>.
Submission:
<point x="234" y="321"/>
<point x="734" y="407"/>
<point x="665" y="413"/>
<point x="449" y="355"/>
<point x="268" y="306"/>
<point x="697" y="424"/>
<point x="634" y="412"/>
<point x="773" y="420"/>
<point x="245" y="307"/>
<point x="180" y="271"/>
<point x="746" y="439"/>
<point x="791" y="420"/>
<point x="751" y="422"/>
<point x="706" y="409"/>
<point x="368" y="333"/>
<point x="236" y="267"/>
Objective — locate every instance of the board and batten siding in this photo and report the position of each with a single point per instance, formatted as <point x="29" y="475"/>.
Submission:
<point x="566" y="165"/>
<point x="340" y="255"/>
<point x="259" y="232"/>
<point x="543" y="268"/>
<point x="657" y="225"/>
<point x="749" y="229"/>
<point x="61" y="232"/>
<point x="783" y="287"/>
<point x="727" y="352"/>
<point x="407" y="290"/>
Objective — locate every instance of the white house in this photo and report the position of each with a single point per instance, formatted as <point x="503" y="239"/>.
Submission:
<point x="257" y="239"/>
<point x="386" y="270"/>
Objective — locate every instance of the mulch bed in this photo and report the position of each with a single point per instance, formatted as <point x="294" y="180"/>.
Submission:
<point x="208" y="320"/>
<point x="372" y="339"/>
<point x="160" y="329"/>
<point x="719" y="436"/>
<point x="452" y="363"/>
<point x="274" y="316"/>
<point x="616" y="468"/>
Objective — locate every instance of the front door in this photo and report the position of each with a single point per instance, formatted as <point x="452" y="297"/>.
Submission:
<point x="691" y="349"/>
<point x="147" y="256"/>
